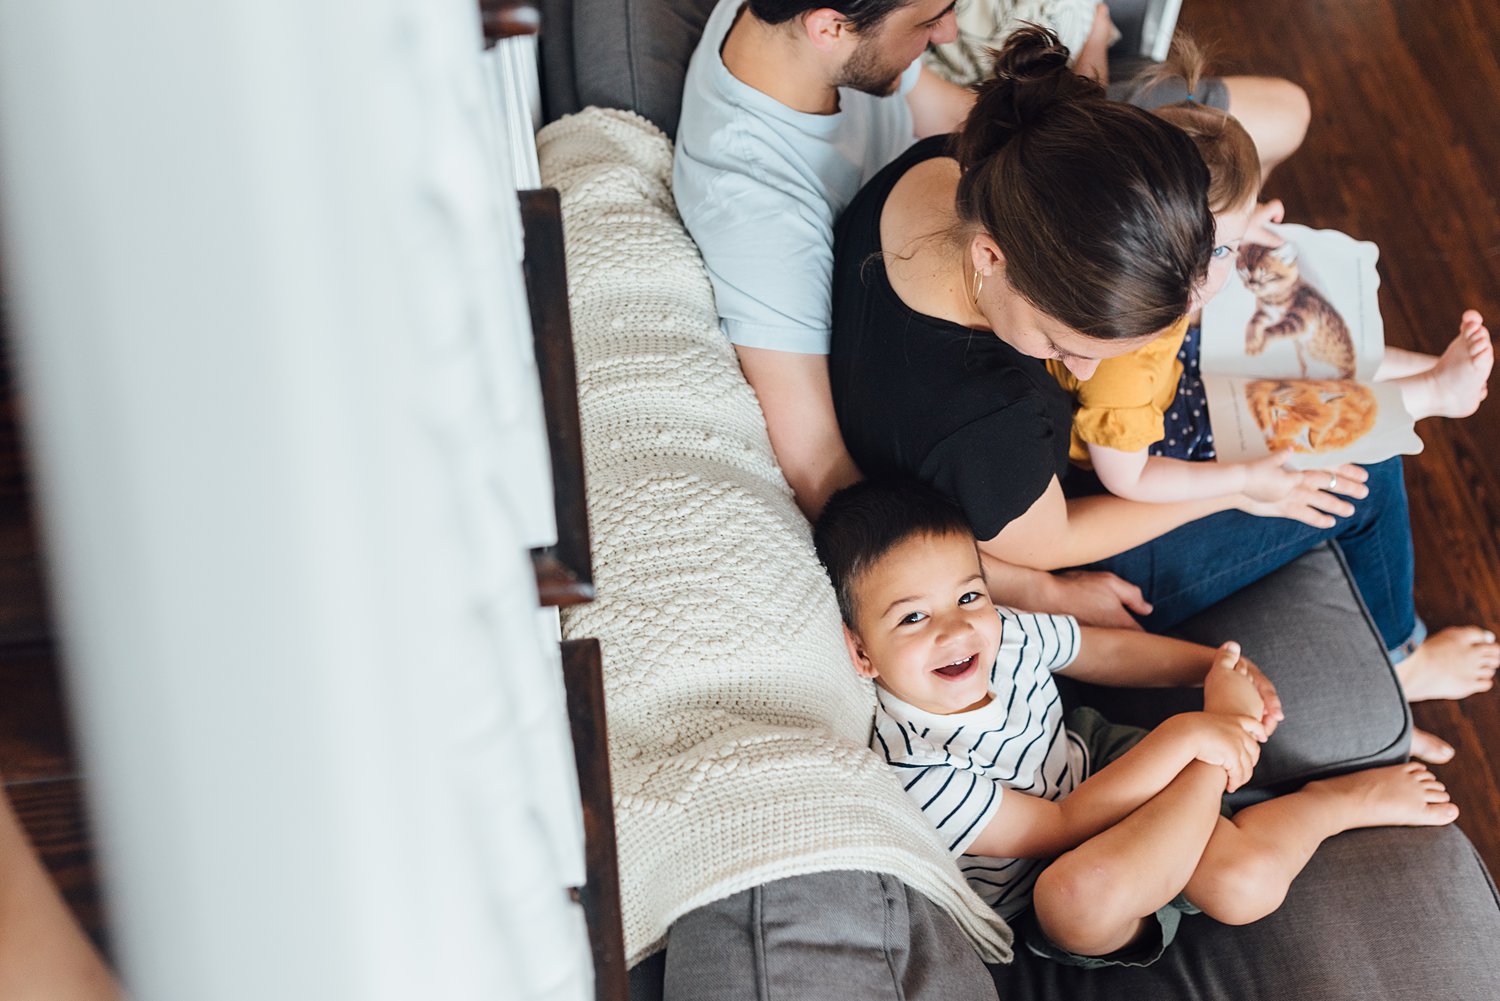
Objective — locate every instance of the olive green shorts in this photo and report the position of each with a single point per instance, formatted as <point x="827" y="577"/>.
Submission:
<point x="1102" y="743"/>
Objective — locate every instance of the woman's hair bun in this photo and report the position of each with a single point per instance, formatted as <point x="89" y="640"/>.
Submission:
<point x="1030" y="78"/>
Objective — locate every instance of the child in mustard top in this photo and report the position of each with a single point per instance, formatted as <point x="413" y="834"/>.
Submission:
<point x="1141" y="421"/>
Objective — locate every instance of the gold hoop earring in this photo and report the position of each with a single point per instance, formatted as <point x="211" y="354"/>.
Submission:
<point x="978" y="285"/>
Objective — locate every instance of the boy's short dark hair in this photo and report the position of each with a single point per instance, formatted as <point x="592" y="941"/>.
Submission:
<point x="867" y="520"/>
<point x="862" y="14"/>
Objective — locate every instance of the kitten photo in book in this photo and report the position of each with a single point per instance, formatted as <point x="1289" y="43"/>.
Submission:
<point x="1288" y="308"/>
<point x="1311" y="415"/>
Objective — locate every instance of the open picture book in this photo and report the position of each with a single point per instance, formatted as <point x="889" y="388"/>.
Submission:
<point x="1289" y="352"/>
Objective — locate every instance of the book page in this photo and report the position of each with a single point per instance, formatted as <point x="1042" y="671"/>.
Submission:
<point x="1318" y="310"/>
<point x="1324" y="421"/>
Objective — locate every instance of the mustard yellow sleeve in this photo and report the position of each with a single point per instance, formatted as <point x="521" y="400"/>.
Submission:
<point x="1123" y="406"/>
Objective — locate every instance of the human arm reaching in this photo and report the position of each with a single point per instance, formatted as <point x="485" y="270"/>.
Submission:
<point x="1026" y="826"/>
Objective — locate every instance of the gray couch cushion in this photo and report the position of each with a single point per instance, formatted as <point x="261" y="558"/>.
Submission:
<point x="629" y="54"/>
<point x="1381" y="915"/>
<point x="1307" y="629"/>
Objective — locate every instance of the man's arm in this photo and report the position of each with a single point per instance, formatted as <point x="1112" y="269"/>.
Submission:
<point x="797" y="401"/>
<point x="937" y="106"/>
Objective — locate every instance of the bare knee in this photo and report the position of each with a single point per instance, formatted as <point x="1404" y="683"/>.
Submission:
<point x="1274" y="111"/>
<point x="1237" y="891"/>
<point x="1078" y="906"/>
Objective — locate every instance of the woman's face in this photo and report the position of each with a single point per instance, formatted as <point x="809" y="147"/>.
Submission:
<point x="1032" y="332"/>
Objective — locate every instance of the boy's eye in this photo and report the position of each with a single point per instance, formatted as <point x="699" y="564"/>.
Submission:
<point x="911" y="617"/>
<point x="1221" y="250"/>
<point x="971" y="596"/>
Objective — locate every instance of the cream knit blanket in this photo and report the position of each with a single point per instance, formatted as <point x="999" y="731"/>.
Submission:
<point x="737" y="726"/>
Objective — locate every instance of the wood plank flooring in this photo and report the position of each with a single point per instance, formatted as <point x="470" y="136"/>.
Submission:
<point x="1403" y="150"/>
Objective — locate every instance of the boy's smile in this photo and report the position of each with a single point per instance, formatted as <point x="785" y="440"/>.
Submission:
<point x="926" y="629"/>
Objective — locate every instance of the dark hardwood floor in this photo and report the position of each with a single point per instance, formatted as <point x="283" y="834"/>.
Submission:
<point x="1403" y="150"/>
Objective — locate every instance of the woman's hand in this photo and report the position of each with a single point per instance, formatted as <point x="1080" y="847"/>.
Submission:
<point x="1317" y="498"/>
<point x="1097" y="598"/>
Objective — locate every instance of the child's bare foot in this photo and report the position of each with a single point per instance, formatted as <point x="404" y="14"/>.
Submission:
<point x="1431" y="748"/>
<point x="1394" y="796"/>
<point x="1458" y="382"/>
<point x="1453" y="664"/>
<point x="1229" y="688"/>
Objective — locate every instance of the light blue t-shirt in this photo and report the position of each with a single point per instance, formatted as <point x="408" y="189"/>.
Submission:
<point x="759" y="186"/>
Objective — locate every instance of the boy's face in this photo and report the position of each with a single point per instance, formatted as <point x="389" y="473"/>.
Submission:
<point x="1229" y="233"/>
<point x="925" y="628"/>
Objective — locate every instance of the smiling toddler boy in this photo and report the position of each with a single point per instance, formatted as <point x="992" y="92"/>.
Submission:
<point x="1095" y="838"/>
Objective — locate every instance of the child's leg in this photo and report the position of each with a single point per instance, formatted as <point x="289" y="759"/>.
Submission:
<point x="1275" y="112"/>
<point x="1452" y="385"/>
<point x="43" y="952"/>
<point x="1252" y="859"/>
<point x="1094" y="899"/>
<point x="1397" y="363"/>
<point x="1093" y="57"/>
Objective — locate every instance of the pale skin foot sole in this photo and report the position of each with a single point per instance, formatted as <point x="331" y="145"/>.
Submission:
<point x="1459" y="382"/>
<point x="1453" y="664"/>
<point x="1406" y="795"/>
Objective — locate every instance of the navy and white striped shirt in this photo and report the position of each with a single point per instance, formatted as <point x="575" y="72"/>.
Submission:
<point x="958" y="767"/>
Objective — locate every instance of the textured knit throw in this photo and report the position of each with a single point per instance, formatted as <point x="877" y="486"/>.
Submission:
<point x="737" y="726"/>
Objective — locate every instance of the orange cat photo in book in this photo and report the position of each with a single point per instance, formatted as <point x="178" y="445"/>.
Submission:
<point x="1311" y="415"/>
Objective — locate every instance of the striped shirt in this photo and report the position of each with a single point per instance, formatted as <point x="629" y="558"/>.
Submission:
<point x="958" y="767"/>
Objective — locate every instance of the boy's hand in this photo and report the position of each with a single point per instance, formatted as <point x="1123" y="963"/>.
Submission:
<point x="1228" y="688"/>
<point x="1230" y="742"/>
<point x="1272" y="715"/>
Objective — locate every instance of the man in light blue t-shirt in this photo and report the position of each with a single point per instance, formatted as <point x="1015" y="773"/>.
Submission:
<point x="787" y="110"/>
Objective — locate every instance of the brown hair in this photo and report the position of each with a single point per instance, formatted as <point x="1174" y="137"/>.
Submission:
<point x="1100" y="208"/>
<point x="1227" y="149"/>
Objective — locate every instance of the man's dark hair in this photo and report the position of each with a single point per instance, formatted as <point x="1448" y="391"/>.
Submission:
<point x="862" y="14"/>
<point x="864" y="522"/>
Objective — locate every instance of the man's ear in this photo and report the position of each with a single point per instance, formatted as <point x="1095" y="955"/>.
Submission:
<point x="857" y="653"/>
<point x="985" y="254"/>
<point x="827" y="29"/>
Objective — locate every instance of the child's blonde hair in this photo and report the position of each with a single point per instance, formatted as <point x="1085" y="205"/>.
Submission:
<point x="1227" y="149"/>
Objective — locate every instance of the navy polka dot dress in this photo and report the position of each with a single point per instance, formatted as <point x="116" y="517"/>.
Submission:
<point x="1189" y="435"/>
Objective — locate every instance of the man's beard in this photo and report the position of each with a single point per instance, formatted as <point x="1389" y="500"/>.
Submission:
<point x="865" y="72"/>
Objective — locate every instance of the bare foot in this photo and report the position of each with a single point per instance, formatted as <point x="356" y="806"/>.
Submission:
<point x="1431" y="748"/>
<point x="1394" y="796"/>
<point x="1453" y="664"/>
<point x="1229" y="688"/>
<point x="1458" y="382"/>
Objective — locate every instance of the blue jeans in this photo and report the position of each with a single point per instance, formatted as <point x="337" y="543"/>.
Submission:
<point x="1192" y="567"/>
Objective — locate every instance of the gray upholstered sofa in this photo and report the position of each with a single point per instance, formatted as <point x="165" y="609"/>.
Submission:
<point x="1379" y="913"/>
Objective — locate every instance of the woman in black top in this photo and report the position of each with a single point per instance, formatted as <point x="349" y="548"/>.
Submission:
<point x="1061" y="225"/>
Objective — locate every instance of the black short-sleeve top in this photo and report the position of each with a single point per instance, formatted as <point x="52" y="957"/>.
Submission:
<point x="920" y="396"/>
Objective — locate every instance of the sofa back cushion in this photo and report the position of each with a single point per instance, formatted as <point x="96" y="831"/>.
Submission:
<point x="628" y="54"/>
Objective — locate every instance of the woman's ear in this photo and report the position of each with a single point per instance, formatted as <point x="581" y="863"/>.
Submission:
<point x="857" y="653"/>
<point x="985" y="254"/>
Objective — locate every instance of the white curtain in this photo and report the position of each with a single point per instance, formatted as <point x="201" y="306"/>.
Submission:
<point x="284" y="412"/>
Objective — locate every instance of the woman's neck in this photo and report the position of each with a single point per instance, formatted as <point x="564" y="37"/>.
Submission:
<point x="926" y="265"/>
